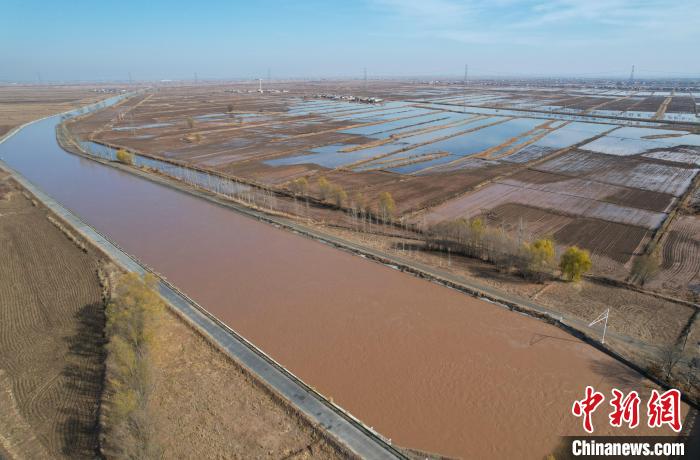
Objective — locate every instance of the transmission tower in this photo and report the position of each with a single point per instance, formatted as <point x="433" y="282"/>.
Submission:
<point x="632" y="75"/>
<point x="195" y="78"/>
<point x="269" y="78"/>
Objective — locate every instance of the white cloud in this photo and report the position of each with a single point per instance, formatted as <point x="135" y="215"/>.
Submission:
<point x="533" y="22"/>
<point x="436" y="12"/>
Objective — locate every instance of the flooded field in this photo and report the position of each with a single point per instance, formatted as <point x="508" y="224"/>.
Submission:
<point x="426" y="366"/>
<point x="435" y="149"/>
<point x="640" y="105"/>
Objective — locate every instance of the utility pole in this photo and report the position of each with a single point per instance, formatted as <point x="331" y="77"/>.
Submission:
<point x="195" y="78"/>
<point x="260" y="85"/>
<point x="268" y="77"/>
<point x="602" y="317"/>
<point x="130" y="79"/>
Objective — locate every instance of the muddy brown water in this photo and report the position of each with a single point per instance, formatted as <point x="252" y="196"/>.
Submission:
<point x="425" y="365"/>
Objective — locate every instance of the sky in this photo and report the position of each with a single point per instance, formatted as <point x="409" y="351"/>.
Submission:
<point x="75" y="40"/>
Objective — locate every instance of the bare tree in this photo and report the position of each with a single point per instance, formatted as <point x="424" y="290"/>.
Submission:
<point x="670" y="356"/>
<point x="645" y="267"/>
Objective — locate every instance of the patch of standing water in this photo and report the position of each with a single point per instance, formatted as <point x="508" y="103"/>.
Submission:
<point x="381" y="128"/>
<point x="331" y="156"/>
<point x="633" y="141"/>
<point x="191" y="176"/>
<point x="456" y="146"/>
<point x="546" y="115"/>
<point x="560" y="138"/>
<point x="146" y="126"/>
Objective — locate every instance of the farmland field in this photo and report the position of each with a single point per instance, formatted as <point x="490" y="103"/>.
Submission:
<point x="441" y="154"/>
<point x="20" y="104"/>
<point x="51" y="318"/>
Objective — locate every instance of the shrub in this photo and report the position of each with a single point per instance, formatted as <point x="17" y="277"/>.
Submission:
<point x="538" y="258"/>
<point x="125" y="157"/>
<point x="645" y="268"/>
<point x="190" y="122"/>
<point x="574" y="263"/>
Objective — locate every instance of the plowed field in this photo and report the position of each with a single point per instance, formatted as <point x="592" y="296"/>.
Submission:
<point x="50" y="336"/>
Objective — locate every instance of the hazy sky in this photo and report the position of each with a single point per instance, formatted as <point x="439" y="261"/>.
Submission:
<point x="88" y="40"/>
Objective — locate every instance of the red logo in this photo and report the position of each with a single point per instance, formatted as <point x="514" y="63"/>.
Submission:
<point x="586" y="406"/>
<point x="662" y="409"/>
<point x="624" y="410"/>
<point x="665" y="409"/>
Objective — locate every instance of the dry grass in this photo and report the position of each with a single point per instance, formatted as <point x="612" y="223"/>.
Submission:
<point x="204" y="405"/>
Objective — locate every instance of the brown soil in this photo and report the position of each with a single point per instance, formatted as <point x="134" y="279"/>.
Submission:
<point x="634" y="314"/>
<point x="632" y="197"/>
<point x="681" y="104"/>
<point x="20" y="104"/>
<point x="680" y="257"/>
<point x="50" y="336"/>
<point x="642" y="199"/>
<point x="616" y="241"/>
<point x="204" y="405"/>
<point x="650" y="104"/>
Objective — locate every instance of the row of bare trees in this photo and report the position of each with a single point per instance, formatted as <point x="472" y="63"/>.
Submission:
<point x="358" y="204"/>
<point x="131" y="317"/>
<point x="534" y="260"/>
